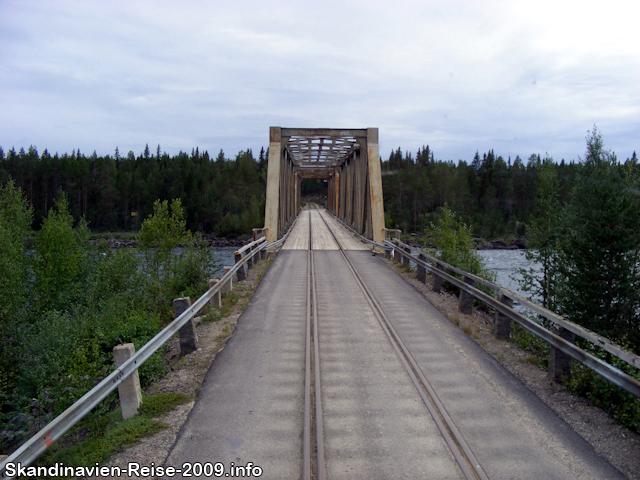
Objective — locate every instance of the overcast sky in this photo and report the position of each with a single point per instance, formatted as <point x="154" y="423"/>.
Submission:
<point x="460" y="76"/>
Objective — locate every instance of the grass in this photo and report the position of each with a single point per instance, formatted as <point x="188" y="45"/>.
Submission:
<point x="101" y="437"/>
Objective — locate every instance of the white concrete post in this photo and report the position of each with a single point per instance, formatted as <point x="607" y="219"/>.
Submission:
<point x="216" y="300"/>
<point x="375" y="186"/>
<point x="187" y="333"/>
<point x="129" y="390"/>
<point x="227" y="287"/>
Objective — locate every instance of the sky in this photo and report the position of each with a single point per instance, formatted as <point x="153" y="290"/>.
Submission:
<point x="518" y="77"/>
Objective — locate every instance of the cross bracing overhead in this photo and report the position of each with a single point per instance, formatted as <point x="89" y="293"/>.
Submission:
<point x="320" y="151"/>
<point x="316" y="152"/>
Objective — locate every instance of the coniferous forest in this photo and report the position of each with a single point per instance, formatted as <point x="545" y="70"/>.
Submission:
<point x="115" y="193"/>
<point x="494" y="195"/>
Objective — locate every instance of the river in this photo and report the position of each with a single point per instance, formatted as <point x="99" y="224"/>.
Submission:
<point x="505" y="263"/>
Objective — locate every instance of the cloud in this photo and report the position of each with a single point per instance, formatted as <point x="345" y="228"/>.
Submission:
<point x="460" y="76"/>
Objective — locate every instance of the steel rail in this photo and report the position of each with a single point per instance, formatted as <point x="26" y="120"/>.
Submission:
<point x="321" y="471"/>
<point x="37" y="444"/>
<point x="306" y="428"/>
<point x="471" y="468"/>
<point x="605" y="370"/>
<point x="248" y="246"/>
<point x="312" y="306"/>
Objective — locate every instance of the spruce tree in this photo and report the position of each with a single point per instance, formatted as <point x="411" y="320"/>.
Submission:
<point x="600" y="258"/>
<point x="543" y="245"/>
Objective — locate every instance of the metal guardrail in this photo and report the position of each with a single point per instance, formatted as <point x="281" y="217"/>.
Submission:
<point x="37" y="444"/>
<point x="606" y="344"/>
<point x="607" y="371"/>
<point x="250" y="246"/>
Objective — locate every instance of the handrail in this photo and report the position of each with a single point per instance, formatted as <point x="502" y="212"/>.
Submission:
<point x="609" y="372"/>
<point x="37" y="444"/>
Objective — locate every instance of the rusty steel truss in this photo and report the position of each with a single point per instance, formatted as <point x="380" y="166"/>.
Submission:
<point x="348" y="159"/>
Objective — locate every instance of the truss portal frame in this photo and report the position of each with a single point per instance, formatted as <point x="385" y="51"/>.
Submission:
<point x="326" y="153"/>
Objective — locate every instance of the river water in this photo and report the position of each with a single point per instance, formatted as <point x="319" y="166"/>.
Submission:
<point x="224" y="256"/>
<point x="506" y="263"/>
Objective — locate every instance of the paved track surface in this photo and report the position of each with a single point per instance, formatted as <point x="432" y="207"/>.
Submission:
<point x="250" y="408"/>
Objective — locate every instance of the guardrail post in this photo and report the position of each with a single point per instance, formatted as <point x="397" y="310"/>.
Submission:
<point x="227" y="287"/>
<point x="251" y="259"/>
<point x="240" y="273"/>
<point x="502" y="323"/>
<point x="465" y="302"/>
<point x="559" y="362"/>
<point x="421" y="272"/>
<point x="396" y="255"/>
<point x="405" y="259"/>
<point x="216" y="300"/>
<point x="437" y="279"/>
<point x="129" y="390"/>
<point x="188" y="335"/>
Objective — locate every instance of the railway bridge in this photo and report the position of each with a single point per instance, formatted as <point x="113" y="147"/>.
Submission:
<point x="340" y="369"/>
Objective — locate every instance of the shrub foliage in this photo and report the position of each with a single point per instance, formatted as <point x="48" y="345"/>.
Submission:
<point x="64" y="305"/>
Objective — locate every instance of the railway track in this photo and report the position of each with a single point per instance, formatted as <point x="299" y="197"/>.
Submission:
<point x="357" y="391"/>
<point x="313" y="435"/>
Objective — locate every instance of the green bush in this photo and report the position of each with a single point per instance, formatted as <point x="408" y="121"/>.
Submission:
<point x="60" y="261"/>
<point x="622" y="406"/>
<point x="15" y="227"/>
<point x="172" y="273"/>
<point x="453" y="240"/>
<point x="77" y="302"/>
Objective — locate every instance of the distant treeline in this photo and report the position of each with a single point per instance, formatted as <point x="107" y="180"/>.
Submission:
<point x="116" y="193"/>
<point x="496" y="197"/>
<point x="227" y="196"/>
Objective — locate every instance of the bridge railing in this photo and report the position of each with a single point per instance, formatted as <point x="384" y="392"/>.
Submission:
<point x="37" y="444"/>
<point x="505" y="313"/>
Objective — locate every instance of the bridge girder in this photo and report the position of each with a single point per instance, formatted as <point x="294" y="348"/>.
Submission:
<point x="348" y="158"/>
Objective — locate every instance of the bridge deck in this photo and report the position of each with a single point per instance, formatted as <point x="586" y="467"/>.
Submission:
<point x="321" y="239"/>
<point x="250" y="408"/>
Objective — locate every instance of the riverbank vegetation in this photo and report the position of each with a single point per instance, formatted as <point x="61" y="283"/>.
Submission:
<point x="588" y="251"/>
<point x="584" y="248"/>
<point x="64" y="305"/>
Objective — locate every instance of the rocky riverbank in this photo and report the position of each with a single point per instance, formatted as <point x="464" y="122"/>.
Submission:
<point x="211" y="239"/>
<point x="518" y="244"/>
<point x="482" y="244"/>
